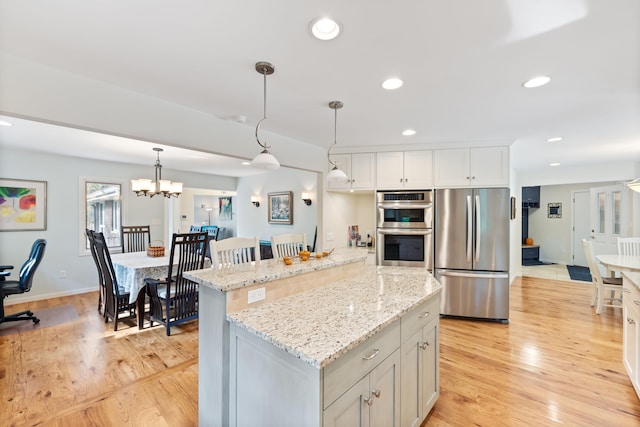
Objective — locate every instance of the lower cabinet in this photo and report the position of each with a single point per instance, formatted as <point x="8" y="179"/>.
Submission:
<point x="631" y="333"/>
<point x="373" y="401"/>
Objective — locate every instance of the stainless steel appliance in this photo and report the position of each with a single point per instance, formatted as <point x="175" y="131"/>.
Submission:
<point x="404" y="228"/>
<point x="472" y="252"/>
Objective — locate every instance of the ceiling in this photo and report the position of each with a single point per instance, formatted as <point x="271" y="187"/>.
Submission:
<point x="463" y="63"/>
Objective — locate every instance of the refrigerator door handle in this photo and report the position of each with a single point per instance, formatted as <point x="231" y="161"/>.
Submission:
<point x="452" y="273"/>
<point x="469" y="228"/>
<point x="477" y="228"/>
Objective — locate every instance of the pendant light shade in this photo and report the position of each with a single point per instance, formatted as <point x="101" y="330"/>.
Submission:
<point x="149" y="188"/>
<point x="335" y="175"/>
<point x="264" y="160"/>
<point x="634" y="185"/>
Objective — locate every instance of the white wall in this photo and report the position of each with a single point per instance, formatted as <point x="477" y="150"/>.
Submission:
<point x="253" y="221"/>
<point x="344" y="209"/>
<point x="63" y="216"/>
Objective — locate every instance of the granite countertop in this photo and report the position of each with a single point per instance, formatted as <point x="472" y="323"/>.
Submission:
<point x="244" y="275"/>
<point x="320" y="325"/>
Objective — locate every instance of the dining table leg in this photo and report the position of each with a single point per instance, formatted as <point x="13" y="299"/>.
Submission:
<point x="140" y="303"/>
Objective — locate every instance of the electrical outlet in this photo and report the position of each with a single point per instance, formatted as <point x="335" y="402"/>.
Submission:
<point x="329" y="235"/>
<point x="256" y="295"/>
<point x="63" y="274"/>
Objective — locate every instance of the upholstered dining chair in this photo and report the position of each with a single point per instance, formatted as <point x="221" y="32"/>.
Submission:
<point x="116" y="298"/>
<point x="135" y="238"/>
<point x="22" y="284"/>
<point x="605" y="291"/>
<point x="175" y="300"/>
<point x="234" y="251"/>
<point x="628" y="246"/>
<point x="288" y="244"/>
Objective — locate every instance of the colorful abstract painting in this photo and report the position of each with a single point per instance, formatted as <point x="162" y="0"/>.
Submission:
<point x="23" y="205"/>
<point x="225" y="209"/>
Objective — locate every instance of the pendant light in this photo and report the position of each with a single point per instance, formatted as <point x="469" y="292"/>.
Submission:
<point x="147" y="187"/>
<point x="335" y="175"/>
<point x="634" y="185"/>
<point x="264" y="160"/>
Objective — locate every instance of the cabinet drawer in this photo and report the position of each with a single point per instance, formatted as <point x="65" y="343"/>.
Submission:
<point x="530" y="253"/>
<point x="340" y="375"/>
<point x="417" y="318"/>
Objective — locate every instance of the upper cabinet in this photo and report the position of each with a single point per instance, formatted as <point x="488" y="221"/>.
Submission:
<point x="359" y="168"/>
<point x="408" y="169"/>
<point x="472" y="167"/>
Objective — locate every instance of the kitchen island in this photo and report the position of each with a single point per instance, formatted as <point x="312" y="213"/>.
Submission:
<point x="631" y="327"/>
<point x="323" y="342"/>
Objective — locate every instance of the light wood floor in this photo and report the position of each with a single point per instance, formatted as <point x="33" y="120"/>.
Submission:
<point x="556" y="362"/>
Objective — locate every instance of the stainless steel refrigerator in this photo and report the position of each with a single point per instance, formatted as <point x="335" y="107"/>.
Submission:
<point x="472" y="252"/>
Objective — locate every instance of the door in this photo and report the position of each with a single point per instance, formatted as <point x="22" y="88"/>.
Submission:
<point x="581" y="225"/>
<point x="609" y="216"/>
<point x="453" y="229"/>
<point x="491" y="234"/>
<point x="351" y="409"/>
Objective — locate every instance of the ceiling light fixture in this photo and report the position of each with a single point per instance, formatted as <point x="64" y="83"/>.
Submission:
<point x="536" y="82"/>
<point x="634" y="185"/>
<point x="147" y="187"/>
<point x="408" y="132"/>
<point x="555" y="139"/>
<point x="325" y="28"/>
<point x="554" y="164"/>
<point x="392" y="83"/>
<point x="335" y="174"/>
<point x="264" y="160"/>
<point x="3" y="123"/>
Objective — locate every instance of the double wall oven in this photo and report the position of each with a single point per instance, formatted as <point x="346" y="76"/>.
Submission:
<point x="404" y="228"/>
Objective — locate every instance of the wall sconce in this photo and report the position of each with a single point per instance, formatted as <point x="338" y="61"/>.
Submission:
<point x="256" y="201"/>
<point x="306" y="198"/>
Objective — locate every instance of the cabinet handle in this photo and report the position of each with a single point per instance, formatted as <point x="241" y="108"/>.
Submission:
<point x="377" y="393"/>
<point x="406" y="180"/>
<point x="367" y="400"/>
<point x="372" y="355"/>
<point x="400" y="179"/>
<point x="467" y="177"/>
<point x="425" y="344"/>
<point x="626" y="290"/>
<point x="636" y="302"/>
<point x="473" y="177"/>
<point x="424" y="315"/>
<point x="631" y="321"/>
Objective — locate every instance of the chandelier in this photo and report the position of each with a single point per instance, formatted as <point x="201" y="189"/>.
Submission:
<point x="335" y="175"/>
<point x="148" y="187"/>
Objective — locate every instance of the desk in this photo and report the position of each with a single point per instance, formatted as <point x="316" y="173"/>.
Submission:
<point x="629" y="263"/>
<point x="133" y="267"/>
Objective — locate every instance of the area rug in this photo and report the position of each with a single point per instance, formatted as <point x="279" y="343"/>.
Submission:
<point x="579" y="273"/>
<point x="530" y="262"/>
<point x="48" y="317"/>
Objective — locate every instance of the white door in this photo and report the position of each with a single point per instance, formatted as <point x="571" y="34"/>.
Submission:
<point x="581" y="225"/>
<point x="609" y="214"/>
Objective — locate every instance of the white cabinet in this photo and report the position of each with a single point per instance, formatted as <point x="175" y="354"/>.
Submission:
<point x="359" y="168"/>
<point x="631" y="333"/>
<point x="404" y="169"/>
<point x="374" y="401"/>
<point x="419" y="353"/>
<point x="471" y="167"/>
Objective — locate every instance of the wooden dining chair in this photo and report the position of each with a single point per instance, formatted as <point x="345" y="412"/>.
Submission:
<point x="94" y="254"/>
<point x="175" y="300"/>
<point x="605" y="291"/>
<point x="628" y="246"/>
<point x="234" y="251"/>
<point x="288" y="244"/>
<point x="116" y="298"/>
<point x="135" y="238"/>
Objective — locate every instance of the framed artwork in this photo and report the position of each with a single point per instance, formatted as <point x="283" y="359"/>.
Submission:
<point x="23" y="205"/>
<point x="554" y="210"/>
<point x="224" y="214"/>
<point x="281" y="207"/>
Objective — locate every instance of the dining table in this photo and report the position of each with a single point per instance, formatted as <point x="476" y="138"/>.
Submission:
<point x="613" y="263"/>
<point x="132" y="268"/>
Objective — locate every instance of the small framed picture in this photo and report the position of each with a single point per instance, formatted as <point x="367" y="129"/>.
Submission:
<point x="554" y="210"/>
<point x="23" y="205"/>
<point x="281" y="207"/>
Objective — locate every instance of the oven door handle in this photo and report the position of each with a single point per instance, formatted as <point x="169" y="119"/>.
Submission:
<point x="405" y="205"/>
<point x="415" y="232"/>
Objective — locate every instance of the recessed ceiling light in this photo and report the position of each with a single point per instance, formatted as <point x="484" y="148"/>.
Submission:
<point x="554" y="164"/>
<point x="392" y="83"/>
<point x="536" y="82"/>
<point x="409" y="132"/>
<point x="555" y="139"/>
<point x="245" y="163"/>
<point x="3" y="123"/>
<point x="325" y="28"/>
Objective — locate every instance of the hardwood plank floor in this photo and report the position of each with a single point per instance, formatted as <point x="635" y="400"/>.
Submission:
<point x="556" y="362"/>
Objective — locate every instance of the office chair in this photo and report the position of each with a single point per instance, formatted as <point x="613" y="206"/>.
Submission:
<point x="23" y="284"/>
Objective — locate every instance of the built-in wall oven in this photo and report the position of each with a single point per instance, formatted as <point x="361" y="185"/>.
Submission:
<point x="404" y="228"/>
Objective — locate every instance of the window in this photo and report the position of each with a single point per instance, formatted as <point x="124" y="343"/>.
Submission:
<point x="616" y="198"/>
<point x="104" y="210"/>
<point x="601" y="213"/>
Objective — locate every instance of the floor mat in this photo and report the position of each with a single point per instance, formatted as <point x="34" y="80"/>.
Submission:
<point x="48" y="317"/>
<point x="530" y="262"/>
<point x="579" y="273"/>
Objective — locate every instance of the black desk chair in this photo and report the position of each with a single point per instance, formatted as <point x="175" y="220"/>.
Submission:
<point x="135" y="238"/>
<point x="175" y="300"/>
<point x="23" y="284"/>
